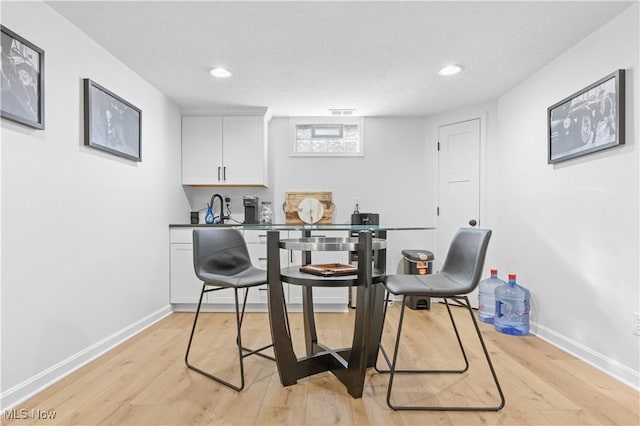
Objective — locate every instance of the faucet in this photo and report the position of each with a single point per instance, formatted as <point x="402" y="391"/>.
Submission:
<point x="222" y="217"/>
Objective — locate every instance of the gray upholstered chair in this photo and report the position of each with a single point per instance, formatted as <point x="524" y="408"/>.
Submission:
<point x="221" y="260"/>
<point x="459" y="276"/>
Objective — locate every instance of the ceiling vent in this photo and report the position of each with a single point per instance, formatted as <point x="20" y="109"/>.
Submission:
<point x="342" y="111"/>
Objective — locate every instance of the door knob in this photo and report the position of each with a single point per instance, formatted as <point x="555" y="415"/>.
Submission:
<point x="473" y="222"/>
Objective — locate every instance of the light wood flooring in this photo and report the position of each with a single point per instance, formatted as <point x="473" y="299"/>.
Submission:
<point x="144" y="381"/>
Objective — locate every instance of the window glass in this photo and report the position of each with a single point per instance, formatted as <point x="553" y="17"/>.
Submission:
<point x="327" y="136"/>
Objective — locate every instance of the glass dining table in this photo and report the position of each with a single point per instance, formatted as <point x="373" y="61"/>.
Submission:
<point x="349" y="364"/>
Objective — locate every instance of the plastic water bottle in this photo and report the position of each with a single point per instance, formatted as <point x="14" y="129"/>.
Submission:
<point x="512" y="308"/>
<point x="487" y="297"/>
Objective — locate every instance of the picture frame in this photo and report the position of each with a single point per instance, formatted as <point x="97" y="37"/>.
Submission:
<point x="111" y="124"/>
<point x="22" y="86"/>
<point x="589" y="120"/>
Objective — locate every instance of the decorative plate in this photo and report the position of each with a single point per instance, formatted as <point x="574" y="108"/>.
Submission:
<point x="310" y="210"/>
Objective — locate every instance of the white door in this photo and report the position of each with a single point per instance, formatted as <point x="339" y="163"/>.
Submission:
<point x="458" y="182"/>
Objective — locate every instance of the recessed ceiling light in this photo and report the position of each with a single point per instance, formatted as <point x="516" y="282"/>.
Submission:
<point x="220" y="73"/>
<point x="450" y="70"/>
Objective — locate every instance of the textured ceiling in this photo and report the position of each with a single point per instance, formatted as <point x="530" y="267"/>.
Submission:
<point x="303" y="58"/>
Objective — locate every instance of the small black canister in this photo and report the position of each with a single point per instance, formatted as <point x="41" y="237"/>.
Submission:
<point x="195" y="218"/>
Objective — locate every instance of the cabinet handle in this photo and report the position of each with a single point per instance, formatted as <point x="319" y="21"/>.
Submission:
<point x="224" y="173"/>
<point x="218" y="173"/>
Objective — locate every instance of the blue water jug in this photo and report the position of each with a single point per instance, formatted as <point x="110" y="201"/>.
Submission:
<point x="487" y="297"/>
<point x="512" y="308"/>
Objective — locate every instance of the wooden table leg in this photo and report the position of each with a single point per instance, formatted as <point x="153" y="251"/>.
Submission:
<point x="282" y="346"/>
<point x="377" y="305"/>
<point x="353" y="377"/>
<point x="308" y="315"/>
<point x="348" y="365"/>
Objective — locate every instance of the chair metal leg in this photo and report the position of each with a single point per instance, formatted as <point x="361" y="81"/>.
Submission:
<point x="392" y="364"/>
<point x="455" y="329"/>
<point x="241" y="349"/>
<point x="193" y="328"/>
<point x="250" y="351"/>
<point x="384" y="317"/>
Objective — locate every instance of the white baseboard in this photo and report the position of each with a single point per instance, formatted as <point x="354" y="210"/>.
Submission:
<point x="607" y="365"/>
<point x="25" y="390"/>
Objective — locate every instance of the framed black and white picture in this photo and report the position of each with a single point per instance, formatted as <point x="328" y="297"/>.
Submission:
<point x="22" y="86"/>
<point x="111" y="124"/>
<point x="587" y="121"/>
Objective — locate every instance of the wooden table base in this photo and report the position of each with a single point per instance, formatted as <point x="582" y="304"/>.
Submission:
<point x="349" y="365"/>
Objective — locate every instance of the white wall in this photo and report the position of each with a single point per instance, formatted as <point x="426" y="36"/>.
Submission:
<point x="570" y="231"/>
<point x="394" y="158"/>
<point x="85" y="251"/>
<point x="394" y="179"/>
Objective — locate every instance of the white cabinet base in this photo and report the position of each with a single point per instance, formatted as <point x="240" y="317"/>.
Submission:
<point x="185" y="287"/>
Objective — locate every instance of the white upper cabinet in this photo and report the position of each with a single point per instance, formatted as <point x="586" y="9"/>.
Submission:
<point x="229" y="151"/>
<point x="201" y="150"/>
<point x="243" y="150"/>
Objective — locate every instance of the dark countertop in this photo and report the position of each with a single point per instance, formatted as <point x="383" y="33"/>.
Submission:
<point x="305" y="227"/>
<point x="206" y="225"/>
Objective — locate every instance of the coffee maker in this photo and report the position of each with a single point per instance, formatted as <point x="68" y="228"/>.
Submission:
<point x="251" y="212"/>
<point x="362" y="219"/>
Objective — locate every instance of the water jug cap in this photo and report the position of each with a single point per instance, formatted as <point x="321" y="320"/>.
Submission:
<point x="494" y="272"/>
<point x="512" y="277"/>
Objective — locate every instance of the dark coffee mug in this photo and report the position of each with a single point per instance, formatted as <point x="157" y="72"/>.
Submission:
<point x="195" y="218"/>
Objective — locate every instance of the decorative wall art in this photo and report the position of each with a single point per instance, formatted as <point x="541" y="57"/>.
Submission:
<point x="111" y="124"/>
<point x="22" y="86"/>
<point x="587" y="121"/>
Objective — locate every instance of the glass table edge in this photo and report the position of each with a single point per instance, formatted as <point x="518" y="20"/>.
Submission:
<point x="337" y="227"/>
<point x="329" y="244"/>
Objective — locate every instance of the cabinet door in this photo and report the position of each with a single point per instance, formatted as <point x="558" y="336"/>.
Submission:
<point x="337" y="296"/>
<point x="185" y="286"/>
<point x="244" y="150"/>
<point x="258" y="254"/>
<point x="257" y="247"/>
<point x="202" y="150"/>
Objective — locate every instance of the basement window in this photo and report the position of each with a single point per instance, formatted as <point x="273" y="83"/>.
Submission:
<point x="327" y="137"/>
